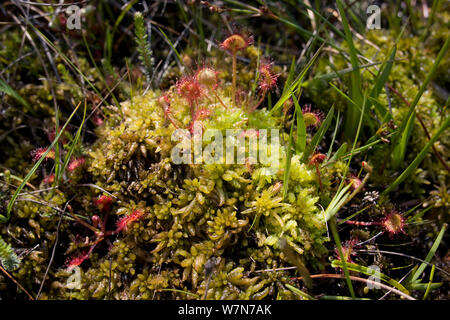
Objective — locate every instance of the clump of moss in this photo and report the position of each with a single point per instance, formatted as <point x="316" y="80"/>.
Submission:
<point x="234" y="214"/>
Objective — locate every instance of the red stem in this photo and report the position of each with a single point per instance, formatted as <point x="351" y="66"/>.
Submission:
<point x="252" y="109"/>
<point x="362" y="223"/>
<point x="318" y="176"/>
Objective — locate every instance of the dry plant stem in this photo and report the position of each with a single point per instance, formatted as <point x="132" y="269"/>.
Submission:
<point x="172" y="121"/>
<point x="361" y="223"/>
<point x="218" y="98"/>
<point x="215" y="95"/>
<point x="87" y="225"/>
<point x="252" y="109"/>
<point x="18" y="284"/>
<point x="341" y="276"/>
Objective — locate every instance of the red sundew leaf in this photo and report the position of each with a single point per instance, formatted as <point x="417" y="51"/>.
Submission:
<point x="103" y="203"/>
<point x="38" y="153"/>
<point x="50" y="179"/>
<point x="75" y="262"/>
<point x="123" y="223"/>
<point x="75" y="163"/>
<point x="189" y="88"/>
<point x="267" y="80"/>
<point x="394" y="223"/>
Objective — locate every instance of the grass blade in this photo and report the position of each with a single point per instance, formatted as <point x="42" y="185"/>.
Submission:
<point x="299" y="292"/>
<point x="301" y="127"/>
<point x="335" y="204"/>
<point x="430" y="254"/>
<point x="400" y="140"/>
<point x="295" y="85"/>
<point x="415" y="163"/>
<point x="334" y="135"/>
<point x="356" y="93"/>
<point x="339" y="153"/>
<point x="171" y="45"/>
<point x="335" y="234"/>
<point x="290" y="74"/>
<point x="3" y="218"/>
<point x="75" y="141"/>
<point x="4" y="87"/>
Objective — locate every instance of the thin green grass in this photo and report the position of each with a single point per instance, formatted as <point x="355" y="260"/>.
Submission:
<point x="337" y="240"/>
<point x="4" y="219"/>
<point x="300" y="293"/>
<point x="415" y="275"/>
<point x="356" y="81"/>
<point x="400" y="140"/>
<point x="180" y="61"/>
<point x="72" y="146"/>
<point x="4" y="87"/>
<point x="430" y="283"/>
<point x="301" y="128"/>
<point x="415" y="163"/>
<point x="295" y="86"/>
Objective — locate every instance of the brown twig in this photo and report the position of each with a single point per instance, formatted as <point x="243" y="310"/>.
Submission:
<point x="17" y="283"/>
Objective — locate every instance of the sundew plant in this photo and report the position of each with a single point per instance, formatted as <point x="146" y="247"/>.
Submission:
<point x="211" y="150"/>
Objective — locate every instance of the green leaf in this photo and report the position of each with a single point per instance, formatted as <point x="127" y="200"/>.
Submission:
<point x="299" y="292"/>
<point x="337" y="201"/>
<point x="339" y="153"/>
<point x="8" y="257"/>
<point x="171" y="45"/>
<point x="424" y="286"/>
<point x="301" y="127"/>
<point x="11" y="92"/>
<point x="295" y="85"/>
<point x="430" y="254"/>
<point x="334" y="136"/>
<point x="383" y="74"/>
<point x="290" y="75"/>
<point x="337" y="240"/>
